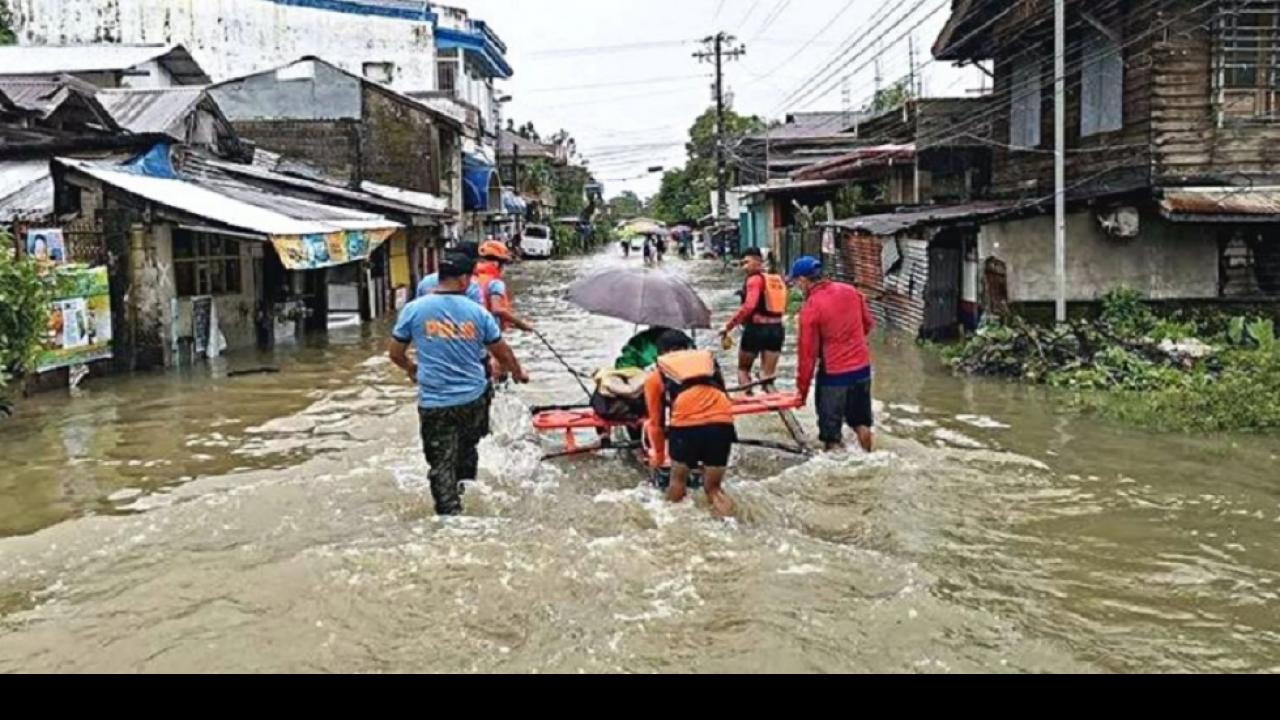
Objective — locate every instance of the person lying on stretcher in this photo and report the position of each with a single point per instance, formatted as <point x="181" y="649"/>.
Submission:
<point x="619" y="393"/>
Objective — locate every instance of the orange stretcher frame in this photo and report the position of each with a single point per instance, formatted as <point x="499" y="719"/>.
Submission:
<point x="569" y="421"/>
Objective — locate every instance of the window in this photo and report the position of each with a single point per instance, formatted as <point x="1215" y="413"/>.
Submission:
<point x="1025" y="106"/>
<point x="205" y="264"/>
<point x="447" y="76"/>
<point x="447" y="66"/>
<point x="1101" y="84"/>
<point x="1248" y="56"/>
<point x="380" y="72"/>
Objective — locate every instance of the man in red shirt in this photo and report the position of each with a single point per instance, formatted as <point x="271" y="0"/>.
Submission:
<point x="834" y="325"/>
<point x="764" y="305"/>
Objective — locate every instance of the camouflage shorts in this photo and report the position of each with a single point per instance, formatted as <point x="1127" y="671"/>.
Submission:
<point x="450" y="437"/>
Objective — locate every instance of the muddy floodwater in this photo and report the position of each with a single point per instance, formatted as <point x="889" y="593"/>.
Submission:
<point x="188" y="521"/>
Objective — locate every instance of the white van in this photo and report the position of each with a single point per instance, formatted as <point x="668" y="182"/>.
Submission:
<point x="537" y="243"/>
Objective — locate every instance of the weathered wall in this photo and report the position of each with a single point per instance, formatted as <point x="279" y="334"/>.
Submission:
<point x="1098" y="164"/>
<point x="1167" y="261"/>
<point x="303" y="91"/>
<point x="231" y="38"/>
<point x="331" y="145"/>
<point x="400" y="144"/>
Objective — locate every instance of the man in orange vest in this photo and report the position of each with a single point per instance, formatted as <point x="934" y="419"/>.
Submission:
<point x="494" y="293"/>
<point x="764" y="305"/>
<point x="688" y="407"/>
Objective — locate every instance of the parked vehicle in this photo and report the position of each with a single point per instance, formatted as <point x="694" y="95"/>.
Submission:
<point x="538" y="243"/>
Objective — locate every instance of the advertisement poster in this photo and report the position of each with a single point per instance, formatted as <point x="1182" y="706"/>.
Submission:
<point x="79" y="319"/>
<point x="312" y="252"/>
<point x="47" y="247"/>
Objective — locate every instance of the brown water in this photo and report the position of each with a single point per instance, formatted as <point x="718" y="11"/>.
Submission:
<point x="189" y="522"/>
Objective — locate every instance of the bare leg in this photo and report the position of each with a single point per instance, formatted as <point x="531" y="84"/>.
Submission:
<point x="746" y="361"/>
<point x="865" y="438"/>
<point x="769" y="366"/>
<point x="679" y="483"/>
<point x="721" y="503"/>
<point x="834" y="446"/>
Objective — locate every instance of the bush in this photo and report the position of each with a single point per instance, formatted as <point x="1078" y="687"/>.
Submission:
<point x="1130" y="364"/>
<point x="24" y="313"/>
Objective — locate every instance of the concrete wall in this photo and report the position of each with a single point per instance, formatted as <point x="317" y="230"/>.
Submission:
<point x="1167" y="261"/>
<point x="231" y="38"/>
<point x="331" y="145"/>
<point x="302" y="91"/>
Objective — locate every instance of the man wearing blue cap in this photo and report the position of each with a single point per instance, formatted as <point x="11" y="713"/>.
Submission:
<point x="834" y="325"/>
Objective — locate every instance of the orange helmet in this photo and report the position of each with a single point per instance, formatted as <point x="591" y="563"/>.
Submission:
<point x="494" y="250"/>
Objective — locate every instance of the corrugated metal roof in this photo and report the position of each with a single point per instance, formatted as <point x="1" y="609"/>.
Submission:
<point x="233" y="204"/>
<point x="1221" y="204"/>
<point x="160" y="111"/>
<point x="383" y="197"/>
<point x="894" y="223"/>
<point x="46" y="97"/>
<point x="426" y="201"/>
<point x="850" y="164"/>
<point x="44" y="60"/>
<point x="26" y="190"/>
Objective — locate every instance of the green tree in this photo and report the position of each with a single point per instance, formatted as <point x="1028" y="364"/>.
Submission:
<point x="894" y="96"/>
<point x="7" y="36"/>
<point x="625" y="206"/>
<point x="24" y="313"/>
<point x="681" y="196"/>
<point x="686" y="193"/>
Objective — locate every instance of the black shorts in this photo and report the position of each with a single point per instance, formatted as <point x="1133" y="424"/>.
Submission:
<point x="758" y="339"/>
<point x="840" y="406"/>
<point x="705" y="446"/>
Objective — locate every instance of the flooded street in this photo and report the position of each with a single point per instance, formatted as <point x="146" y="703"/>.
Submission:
<point x="191" y="522"/>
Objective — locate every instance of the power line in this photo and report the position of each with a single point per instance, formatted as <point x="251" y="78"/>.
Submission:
<point x="876" y="20"/>
<point x="626" y="83"/>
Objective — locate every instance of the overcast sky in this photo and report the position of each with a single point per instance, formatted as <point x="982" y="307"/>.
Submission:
<point x="620" y="76"/>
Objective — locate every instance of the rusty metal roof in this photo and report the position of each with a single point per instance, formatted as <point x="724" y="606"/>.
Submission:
<point x="1221" y="204"/>
<point x="894" y="223"/>
<point x="851" y="164"/>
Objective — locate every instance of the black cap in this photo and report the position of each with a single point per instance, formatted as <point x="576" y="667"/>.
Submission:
<point x="457" y="266"/>
<point x="467" y="250"/>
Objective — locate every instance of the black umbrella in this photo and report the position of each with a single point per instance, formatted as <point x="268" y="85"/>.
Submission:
<point x="642" y="297"/>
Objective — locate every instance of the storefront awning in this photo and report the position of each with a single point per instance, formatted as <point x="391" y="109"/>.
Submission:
<point x="306" y="235"/>
<point x="477" y="177"/>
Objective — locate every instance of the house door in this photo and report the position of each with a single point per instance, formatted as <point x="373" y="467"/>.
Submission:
<point x="942" y="297"/>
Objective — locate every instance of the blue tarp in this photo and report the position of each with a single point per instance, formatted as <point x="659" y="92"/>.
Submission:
<point x="476" y="176"/>
<point x="153" y="163"/>
<point x="513" y="204"/>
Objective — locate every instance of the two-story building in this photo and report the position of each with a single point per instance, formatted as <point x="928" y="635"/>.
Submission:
<point x="1173" y="165"/>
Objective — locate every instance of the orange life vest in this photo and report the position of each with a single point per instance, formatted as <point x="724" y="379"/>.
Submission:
<point x="773" y="301"/>
<point x="684" y="370"/>
<point x="486" y="273"/>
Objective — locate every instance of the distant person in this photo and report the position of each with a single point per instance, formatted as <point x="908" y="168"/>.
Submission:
<point x="452" y="337"/>
<point x="764" y="307"/>
<point x="834" y="325"/>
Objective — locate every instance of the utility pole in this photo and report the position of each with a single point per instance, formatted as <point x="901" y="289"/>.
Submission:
<point x="715" y="51"/>
<point x="1060" y="155"/>
<point x="515" y="179"/>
